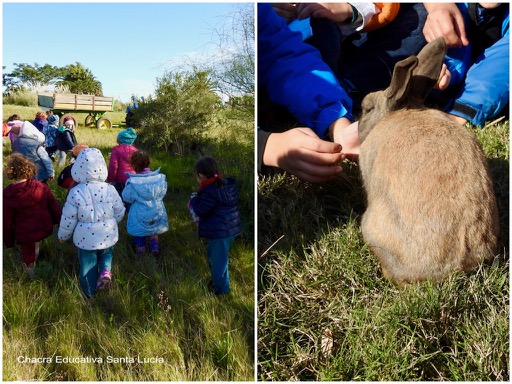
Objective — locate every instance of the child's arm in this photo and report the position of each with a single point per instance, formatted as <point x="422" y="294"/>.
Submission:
<point x="118" y="205"/>
<point x="128" y="194"/>
<point x="203" y="204"/>
<point x="68" y="220"/>
<point x="47" y="162"/>
<point x="113" y="164"/>
<point x="54" y="207"/>
<point x="8" y="230"/>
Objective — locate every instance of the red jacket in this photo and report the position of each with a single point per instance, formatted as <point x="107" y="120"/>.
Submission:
<point x="30" y="211"/>
<point x="119" y="163"/>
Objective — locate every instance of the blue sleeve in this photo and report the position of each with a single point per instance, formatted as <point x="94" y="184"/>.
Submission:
<point x="294" y="75"/>
<point x="458" y="60"/>
<point x="486" y="89"/>
<point x="47" y="162"/>
<point x="128" y="193"/>
<point x="202" y="204"/>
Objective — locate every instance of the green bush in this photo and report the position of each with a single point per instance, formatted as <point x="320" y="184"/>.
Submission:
<point x="175" y="118"/>
<point x="21" y="98"/>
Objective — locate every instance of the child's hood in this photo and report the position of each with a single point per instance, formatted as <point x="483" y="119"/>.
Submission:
<point x="29" y="130"/>
<point x="145" y="184"/>
<point x="89" y="166"/>
<point x="22" y="195"/>
<point x="228" y="194"/>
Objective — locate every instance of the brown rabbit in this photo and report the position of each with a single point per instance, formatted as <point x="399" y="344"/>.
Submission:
<point x="431" y="205"/>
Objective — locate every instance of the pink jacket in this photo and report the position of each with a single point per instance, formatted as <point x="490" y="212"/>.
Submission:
<point x="119" y="163"/>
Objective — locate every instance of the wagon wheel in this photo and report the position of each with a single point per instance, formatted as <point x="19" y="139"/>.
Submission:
<point x="103" y="123"/>
<point x="65" y="117"/>
<point x="90" y="120"/>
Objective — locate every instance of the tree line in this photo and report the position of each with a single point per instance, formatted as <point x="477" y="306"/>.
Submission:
<point x="74" y="77"/>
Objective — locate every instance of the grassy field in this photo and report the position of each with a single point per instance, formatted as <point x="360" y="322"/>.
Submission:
<point x="158" y="321"/>
<point x="326" y="313"/>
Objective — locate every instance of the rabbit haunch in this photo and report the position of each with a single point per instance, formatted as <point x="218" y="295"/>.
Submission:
<point x="431" y="205"/>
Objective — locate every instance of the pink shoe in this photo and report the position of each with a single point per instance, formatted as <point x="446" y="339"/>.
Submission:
<point x="104" y="279"/>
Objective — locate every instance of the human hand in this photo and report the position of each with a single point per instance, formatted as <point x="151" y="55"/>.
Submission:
<point x="62" y="241"/>
<point x="50" y="179"/>
<point x="301" y="152"/>
<point x="344" y="132"/>
<point x="287" y="11"/>
<point x="445" y="19"/>
<point x="444" y="79"/>
<point x="338" y="12"/>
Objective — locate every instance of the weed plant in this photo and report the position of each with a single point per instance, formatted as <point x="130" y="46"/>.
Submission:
<point x="326" y="313"/>
<point x="159" y="319"/>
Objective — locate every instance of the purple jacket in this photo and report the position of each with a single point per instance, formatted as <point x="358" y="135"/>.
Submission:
<point x="119" y="163"/>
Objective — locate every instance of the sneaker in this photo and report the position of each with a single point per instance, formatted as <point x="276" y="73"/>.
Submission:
<point x="104" y="280"/>
<point x="154" y="244"/>
<point x="31" y="270"/>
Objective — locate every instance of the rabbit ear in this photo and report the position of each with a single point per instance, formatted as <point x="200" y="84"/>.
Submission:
<point x="398" y="90"/>
<point x="426" y="74"/>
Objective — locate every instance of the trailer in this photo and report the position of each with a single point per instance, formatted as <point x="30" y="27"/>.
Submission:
<point x="62" y="104"/>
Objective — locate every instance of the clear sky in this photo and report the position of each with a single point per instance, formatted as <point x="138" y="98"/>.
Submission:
<point x="125" y="45"/>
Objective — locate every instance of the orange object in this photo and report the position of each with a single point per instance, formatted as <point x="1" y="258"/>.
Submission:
<point x="388" y="12"/>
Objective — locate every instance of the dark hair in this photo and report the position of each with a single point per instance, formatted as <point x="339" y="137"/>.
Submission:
<point x="207" y="167"/>
<point x="13" y="117"/>
<point x="139" y="161"/>
<point x="18" y="167"/>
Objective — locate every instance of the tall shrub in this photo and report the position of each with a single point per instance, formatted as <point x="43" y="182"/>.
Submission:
<point x="178" y="114"/>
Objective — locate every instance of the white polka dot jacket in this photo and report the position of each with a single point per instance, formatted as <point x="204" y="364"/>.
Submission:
<point x="93" y="208"/>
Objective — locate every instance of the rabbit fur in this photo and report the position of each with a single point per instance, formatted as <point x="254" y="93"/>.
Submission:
<point x="431" y="205"/>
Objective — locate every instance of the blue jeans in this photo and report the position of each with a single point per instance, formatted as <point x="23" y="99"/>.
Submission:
<point x="218" y="259"/>
<point x="92" y="263"/>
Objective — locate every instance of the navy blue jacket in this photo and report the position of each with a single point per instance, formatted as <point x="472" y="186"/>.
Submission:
<point x="217" y="208"/>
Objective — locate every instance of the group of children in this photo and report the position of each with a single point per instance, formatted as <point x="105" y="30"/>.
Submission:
<point x="97" y="200"/>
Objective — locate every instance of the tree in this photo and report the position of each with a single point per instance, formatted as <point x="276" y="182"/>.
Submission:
<point x="234" y="66"/>
<point x="179" y="112"/>
<point x="26" y="76"/>
<point x="74" y="77"/>
<point x="80" y="80"/>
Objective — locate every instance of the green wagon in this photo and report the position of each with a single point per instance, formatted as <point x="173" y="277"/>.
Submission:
<point x="63" y="104"/>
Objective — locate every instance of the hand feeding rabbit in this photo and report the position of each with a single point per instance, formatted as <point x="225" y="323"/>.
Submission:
<point x="431" y="205"/>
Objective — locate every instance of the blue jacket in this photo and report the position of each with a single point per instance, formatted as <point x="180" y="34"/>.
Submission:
<point x="217" y="208"/>
<point x="40" y="124"/>
<point x="294" y="75"/>
<point x="32" y="149"/>
<point x="484" y="81"/>
<point x="65" y="139"/>
<point x="145" y="192"/>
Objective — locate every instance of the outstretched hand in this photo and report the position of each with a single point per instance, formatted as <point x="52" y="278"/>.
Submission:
<point x="346" y="134"/>
<point x="337" y="12"/>
<point x="445" y="19"/>
<point x="301" y="152"/>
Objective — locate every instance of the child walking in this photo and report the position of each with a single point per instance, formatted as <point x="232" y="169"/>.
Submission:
<point x="30" y="210"/>
<point x="147" y="217"/>
<point x="216" y="205"/>
<point x="50" y="134"/>
<point x="28" y="141"/>
<point x="119" y="163"/>
<point x="90" y="215"/>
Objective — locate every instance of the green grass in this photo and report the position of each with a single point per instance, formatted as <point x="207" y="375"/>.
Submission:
<point x="326" y="313"/>
<point x="154" y="309"/>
